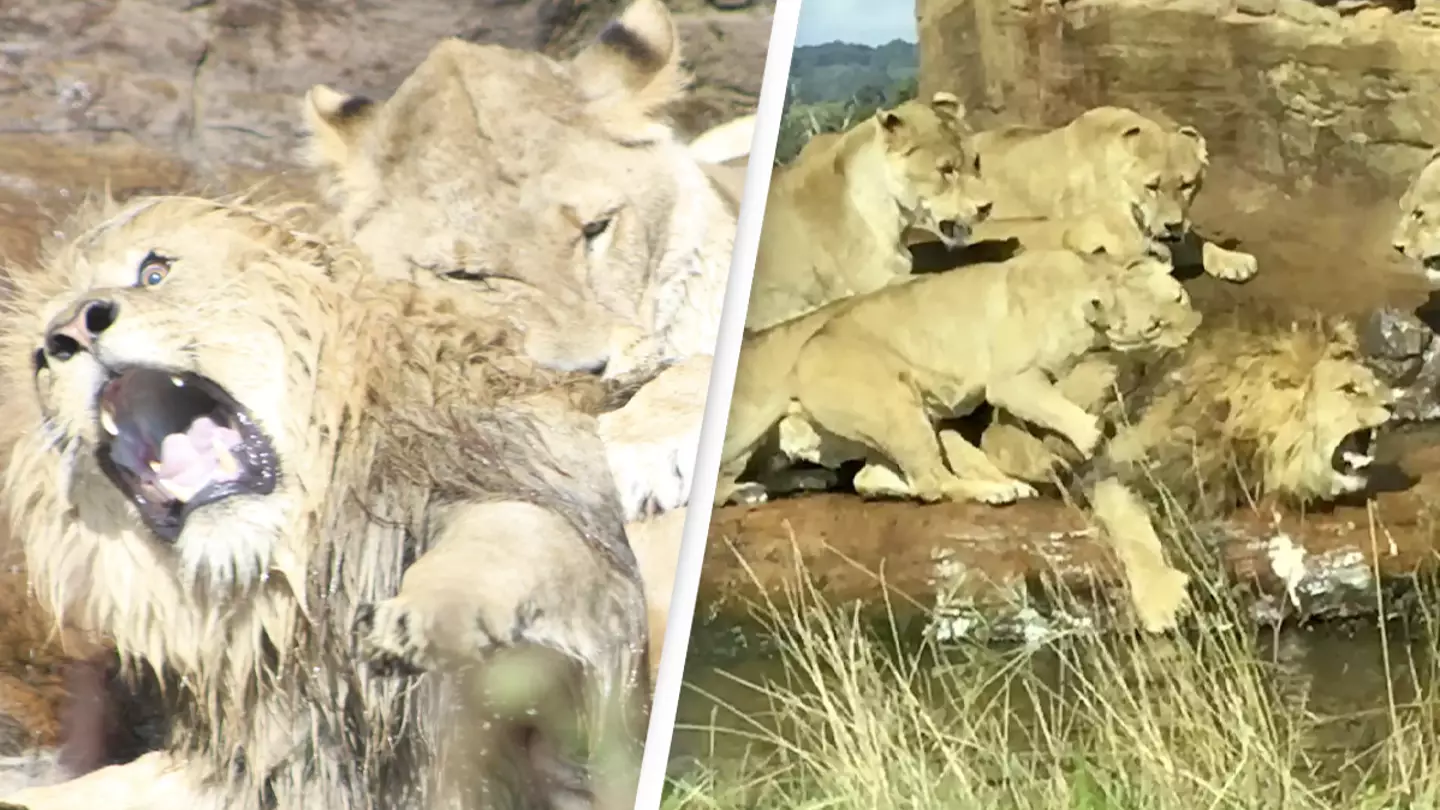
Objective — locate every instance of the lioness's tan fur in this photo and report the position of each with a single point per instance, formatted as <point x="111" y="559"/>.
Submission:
<point x="835" y="217"/>
<point x="1113" y="163"/>
<point x="1417" y="233"/>
<point x="1253" y="408"/>
<point x="875" y="369"/>
<point x="553" y="191"/>
<point x="556" y="195"/>
<point x="404" y="431"/>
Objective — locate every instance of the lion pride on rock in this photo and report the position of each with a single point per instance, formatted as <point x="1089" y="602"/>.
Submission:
<point x="329" y="512"/>
<point x="1254" y="406"/>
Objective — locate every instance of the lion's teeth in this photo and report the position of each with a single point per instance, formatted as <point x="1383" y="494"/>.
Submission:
<point x="177" y="381"/>
<point x="1358" y="461"/>
<point x="224" y="459"/>
<point x="107" y="421"/>
<point x="178" y="491"/>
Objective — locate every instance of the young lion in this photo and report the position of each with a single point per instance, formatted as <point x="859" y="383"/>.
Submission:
<point x="835" y="217"/>
<point x="1120" y="172"/>
<point x="874" y="369"/>
<point x="248" y="461"/>
<point x="1417" y="234"/>
<point x="1251" y="408"/>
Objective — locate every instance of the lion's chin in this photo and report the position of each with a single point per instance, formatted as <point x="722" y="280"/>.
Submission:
<point x="954" y="234"/>
<point x="176" y="442"/>
<point x="1432" y="269"/>
<point x="1349" y="459"/>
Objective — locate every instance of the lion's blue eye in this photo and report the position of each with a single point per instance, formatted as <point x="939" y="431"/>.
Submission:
<point x="153" y="269"/>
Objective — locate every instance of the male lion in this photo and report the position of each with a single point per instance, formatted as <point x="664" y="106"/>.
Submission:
<point x="836" y="215"/>
<point x="1137" y="177"/>
<point x="1251" y="409"/>
<point x="1417" y="234"/>
<point x="873" y="370"/>
<point x="325" y="509"/>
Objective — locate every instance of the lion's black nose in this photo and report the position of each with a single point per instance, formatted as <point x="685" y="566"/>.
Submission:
<point x="75" y="331"/>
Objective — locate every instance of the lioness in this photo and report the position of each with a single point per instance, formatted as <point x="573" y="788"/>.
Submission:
<point x="553" y="194"/>
<point x="324" y="509"/>
<point x="1114" y="167"/>
<point x="1417" y="234"/>
<point x="874" y="369"/>
<point x="1252" y="408"/>
<point x="835" y="216"/>
<point x="550" y="191"/>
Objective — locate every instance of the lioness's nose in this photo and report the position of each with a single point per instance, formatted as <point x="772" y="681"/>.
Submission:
<point x="1399" y="248"/>
<point x="75" y="331"/>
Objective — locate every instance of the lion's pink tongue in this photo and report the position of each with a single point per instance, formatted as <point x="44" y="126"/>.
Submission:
<point x="190" y="460"/>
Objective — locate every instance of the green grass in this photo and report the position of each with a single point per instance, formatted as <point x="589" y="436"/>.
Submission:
<point x="1142" y="723"/>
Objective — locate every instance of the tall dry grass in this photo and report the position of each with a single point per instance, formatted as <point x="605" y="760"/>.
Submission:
<point x="1140" y="723"/>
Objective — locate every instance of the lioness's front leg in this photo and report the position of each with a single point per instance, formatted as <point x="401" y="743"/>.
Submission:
<point x="889" y="417"/>
<point x="511" y="573"/>
<point x="504" y="573"/>
<point x="1230" y="265"/>
<point x="154" y="780"/>
<point x="1032" y="397"/>
<point x="1010" y="445"/>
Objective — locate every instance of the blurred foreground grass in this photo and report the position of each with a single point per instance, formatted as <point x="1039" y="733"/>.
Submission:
<point x="1140" y="723"/>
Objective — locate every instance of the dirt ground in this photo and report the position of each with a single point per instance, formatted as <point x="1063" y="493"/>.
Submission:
<point x="1326" y="250"/>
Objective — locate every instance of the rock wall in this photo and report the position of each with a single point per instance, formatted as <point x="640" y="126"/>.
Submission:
<point x="216" y="81"/>
<point x="1293" y="92"/>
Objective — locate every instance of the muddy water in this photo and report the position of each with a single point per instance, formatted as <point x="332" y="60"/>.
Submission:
<point x="1346" y="676"/>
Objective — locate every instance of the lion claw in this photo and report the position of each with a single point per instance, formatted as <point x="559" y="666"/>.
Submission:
<point x="389" y="639"/>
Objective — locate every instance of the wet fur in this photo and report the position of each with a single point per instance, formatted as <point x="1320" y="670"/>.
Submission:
<point x="404" y="426"/>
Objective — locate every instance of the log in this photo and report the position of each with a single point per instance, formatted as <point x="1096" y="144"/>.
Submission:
<point x="1007" y="573"/>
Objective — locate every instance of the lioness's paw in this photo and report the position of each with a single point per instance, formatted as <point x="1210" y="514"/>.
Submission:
<point x="396" y="637"/>
<point x="748" y="494"/>
<point x="1229" y="265"/>
<point x="390" y="636"/>
<point x="1087" y="439"/>
<point x="1161" y="599"/>
<point x="995" y="493"/>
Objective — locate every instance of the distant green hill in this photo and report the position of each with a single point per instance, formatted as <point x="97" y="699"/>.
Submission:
<point x="840" y="83"/>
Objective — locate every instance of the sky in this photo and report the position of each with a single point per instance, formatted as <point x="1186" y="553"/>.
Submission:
<point x="867" y="22"/>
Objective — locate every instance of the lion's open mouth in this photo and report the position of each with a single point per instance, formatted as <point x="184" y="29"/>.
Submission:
<point x="174" y="442"/>
<point x="954" y="233"/>
<point x="1352" y="454"/>
<point x="1432" y="268"/>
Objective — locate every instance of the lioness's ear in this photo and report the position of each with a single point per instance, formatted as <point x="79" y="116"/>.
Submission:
<point x="335" y="121"/>
<point x="1201" y="147"/>
<point x="892" y="126"/>
<point x="948" y="104"/>
<point x="634" y="61"/>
